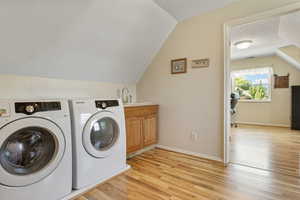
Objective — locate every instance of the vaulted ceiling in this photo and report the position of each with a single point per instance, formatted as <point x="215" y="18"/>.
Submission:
<point x="183" y="9"/>
<point x="268" y="35"/>
<point x="101" y="40"/>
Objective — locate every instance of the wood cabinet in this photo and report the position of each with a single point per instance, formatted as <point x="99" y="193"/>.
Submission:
<point x="150" y="130"/>
<point x="134" y="134"/>
<point x="141" y="127"/>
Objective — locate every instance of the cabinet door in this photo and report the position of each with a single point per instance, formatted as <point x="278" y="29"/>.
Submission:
<point x="134" y="134"/>
<point x="150" y="130"/>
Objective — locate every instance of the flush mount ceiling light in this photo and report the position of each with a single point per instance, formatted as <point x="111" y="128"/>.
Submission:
<point x="245" y="44"/>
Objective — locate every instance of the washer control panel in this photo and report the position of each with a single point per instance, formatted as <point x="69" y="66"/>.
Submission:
<point x="30" y="108"/>
<point x="106" y="104"/>
<point x="4" y="110"/>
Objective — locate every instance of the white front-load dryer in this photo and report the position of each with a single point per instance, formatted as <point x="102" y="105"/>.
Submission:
<point x="35" y="150"/>
<point x="99" y="140"/>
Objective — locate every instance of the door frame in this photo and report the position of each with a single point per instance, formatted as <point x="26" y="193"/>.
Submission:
<point x="227" y="54"/>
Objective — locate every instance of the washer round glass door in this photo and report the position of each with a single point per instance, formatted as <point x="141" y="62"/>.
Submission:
<point x="100" y="134"/>
<point x="31" y="148"/>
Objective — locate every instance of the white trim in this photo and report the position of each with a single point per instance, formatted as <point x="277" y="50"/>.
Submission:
<point x="75" y="193"/>
<point x="200" y="155"/>
<point x="264" y="124"/>
<point x="227" y="89"/>
<point x="288" y="58"/>
<point x="227" y="55"/>
<point x="255" y="101"/>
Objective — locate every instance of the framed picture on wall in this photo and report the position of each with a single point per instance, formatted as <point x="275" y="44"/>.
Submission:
<point x="179" y="66"/>
<point x="282" y="81"/>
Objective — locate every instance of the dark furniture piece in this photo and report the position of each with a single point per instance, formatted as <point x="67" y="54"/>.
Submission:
<point x="296" y="107"/>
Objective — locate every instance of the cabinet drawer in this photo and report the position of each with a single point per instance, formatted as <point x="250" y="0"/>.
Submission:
<point x="141" y="111"/>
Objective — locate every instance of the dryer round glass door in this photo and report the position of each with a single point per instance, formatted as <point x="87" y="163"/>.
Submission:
<point x="31" y="149"/>
<point x="101" y="133"/>
<point x="104" y="133"/>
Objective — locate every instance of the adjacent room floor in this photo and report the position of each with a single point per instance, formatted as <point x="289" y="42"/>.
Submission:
<point x="269" y="148"/>
<point x="160" y="174"/>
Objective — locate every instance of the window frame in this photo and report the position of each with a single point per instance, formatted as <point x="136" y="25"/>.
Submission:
<point x="270" y="78"/>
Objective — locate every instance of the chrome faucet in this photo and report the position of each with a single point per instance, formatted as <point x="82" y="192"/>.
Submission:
<point x="125" y="94"/>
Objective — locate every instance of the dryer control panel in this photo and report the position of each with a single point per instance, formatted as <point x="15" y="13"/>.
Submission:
<point x="30" y="108"/>
<point x="107" y="103"/>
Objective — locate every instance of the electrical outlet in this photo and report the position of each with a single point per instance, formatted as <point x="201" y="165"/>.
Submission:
<point x="198" y="136"/>
<point x="194" y="135"/>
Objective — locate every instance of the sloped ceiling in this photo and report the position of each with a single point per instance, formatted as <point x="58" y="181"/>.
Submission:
<point x="263" y="33"/>
<point x="102" y="40"/>
<point x="183" y="9"/>
<point x="290" y="27"/>
<point x="98" y="40"/>
<point x="268" y="35"/>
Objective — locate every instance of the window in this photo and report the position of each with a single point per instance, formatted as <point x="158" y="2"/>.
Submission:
<point x="253" y="84"/>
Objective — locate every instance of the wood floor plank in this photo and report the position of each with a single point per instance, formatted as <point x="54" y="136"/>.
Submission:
<point x="270" y="148"/>
<point x="165" y="175"/>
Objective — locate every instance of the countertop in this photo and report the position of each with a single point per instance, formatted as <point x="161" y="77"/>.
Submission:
<point x="139" y="104"/>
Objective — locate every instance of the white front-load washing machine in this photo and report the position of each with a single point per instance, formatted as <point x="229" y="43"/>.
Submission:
<point x="99" y="140"/>
<point x="35" y="150"/>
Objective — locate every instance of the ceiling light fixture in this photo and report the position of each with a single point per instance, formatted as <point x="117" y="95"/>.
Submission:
<point x="245" y="44"/>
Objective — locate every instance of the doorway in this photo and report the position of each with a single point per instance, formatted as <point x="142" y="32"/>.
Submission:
<point x="257" y="132"/>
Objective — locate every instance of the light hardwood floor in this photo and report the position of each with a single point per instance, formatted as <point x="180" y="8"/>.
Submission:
<point x="165" y="175"/>
<point x="268" y="148"/>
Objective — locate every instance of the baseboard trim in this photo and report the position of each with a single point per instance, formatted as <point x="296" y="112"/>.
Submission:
<point x="200" y="155"/>
<point x="141" y="151"/>
<point x="264" y="124"/>
<point x="76" y="193"/>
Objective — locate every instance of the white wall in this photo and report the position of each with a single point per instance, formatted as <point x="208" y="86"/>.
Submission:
<point x="12" y="86"/>
<point x="195" y="100"/>
<point x="98" y="40"/>
<point x="278" y="111"/>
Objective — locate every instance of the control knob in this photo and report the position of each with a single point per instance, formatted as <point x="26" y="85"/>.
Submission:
<point x="103" y="105"/>
<point x="29" y="109"/>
